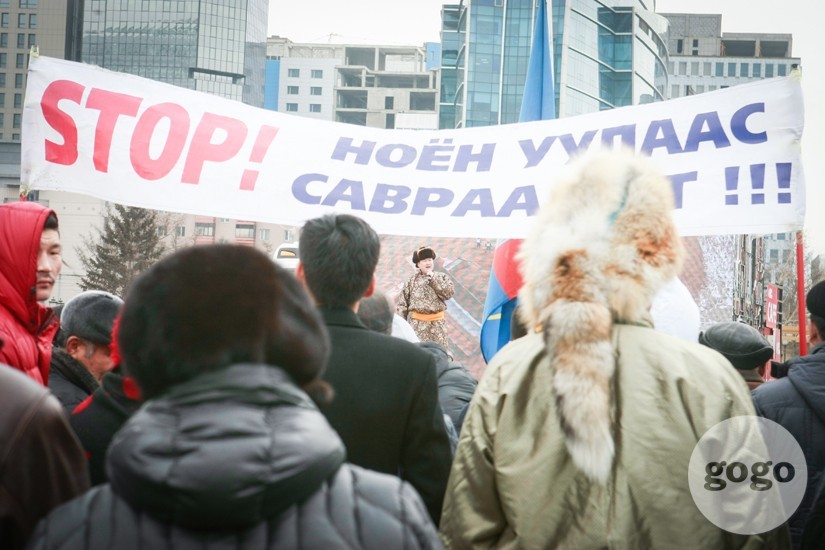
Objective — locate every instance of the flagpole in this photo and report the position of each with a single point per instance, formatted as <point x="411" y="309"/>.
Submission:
<point x="800" y="294"/>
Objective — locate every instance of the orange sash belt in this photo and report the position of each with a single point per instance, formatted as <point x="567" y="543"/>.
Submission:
<point x="429" y="317"/>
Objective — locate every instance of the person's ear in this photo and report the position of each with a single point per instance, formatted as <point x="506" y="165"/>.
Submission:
<point x="299" y="273"/>
<point x="73" y="344"/>
<point x="371" y="288"/>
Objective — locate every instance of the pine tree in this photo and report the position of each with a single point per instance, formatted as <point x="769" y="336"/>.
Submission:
<point x="127" y="245"/>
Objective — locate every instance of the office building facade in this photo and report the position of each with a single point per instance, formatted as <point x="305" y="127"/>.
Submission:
<point x="607" y="54"/>
<point x="704" y="59"/>
<point x="355" y="84"/>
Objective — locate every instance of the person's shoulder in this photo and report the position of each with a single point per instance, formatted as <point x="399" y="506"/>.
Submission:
<point x="60" y="528"/>
<point x="20" y="391"/>
<point x="398" y="500"/>
<point x="773" y="393"/>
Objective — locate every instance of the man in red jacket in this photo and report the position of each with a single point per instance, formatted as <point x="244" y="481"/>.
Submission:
<point x="30" y="261"/>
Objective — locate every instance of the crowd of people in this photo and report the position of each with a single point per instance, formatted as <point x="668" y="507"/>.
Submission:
<point x="227" y="403"/>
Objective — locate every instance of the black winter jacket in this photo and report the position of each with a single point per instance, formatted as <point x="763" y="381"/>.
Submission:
<point x="69" y="380"/>
<point x="456" y="385"/>
<point x="797" y="403"/>
<point x="240" y="459"/>
<point x="97" y="419"/>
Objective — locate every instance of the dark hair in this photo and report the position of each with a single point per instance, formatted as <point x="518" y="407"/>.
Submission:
<point x="51" y="222"/>
<point x="819" y="323"/>
<point x="338" y="254"/>
<point x="377" y="312"/>
<point x="205" y="308"/>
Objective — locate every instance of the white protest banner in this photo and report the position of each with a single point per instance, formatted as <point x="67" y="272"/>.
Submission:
<point x="733" y="157"/>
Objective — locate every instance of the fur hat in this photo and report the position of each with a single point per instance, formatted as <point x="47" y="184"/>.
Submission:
<point x="422" y="254"/>
<point x="815" y="300"/>
<point x="600" y="248"/>
<point x="90" y="315"/>
<point x="741" y="344"/>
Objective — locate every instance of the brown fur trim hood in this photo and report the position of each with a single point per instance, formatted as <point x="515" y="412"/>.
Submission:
<point x="601" y="246"/>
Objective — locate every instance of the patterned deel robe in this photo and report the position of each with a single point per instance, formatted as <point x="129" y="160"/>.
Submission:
<point x="427" y="295"/>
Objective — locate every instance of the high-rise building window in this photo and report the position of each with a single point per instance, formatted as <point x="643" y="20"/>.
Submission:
<point x="743" y="69"/>
<point x="720" y="69"/>
<point x="18" y="101"/>
<point x="768" y="70"/>
<point x="15" y="121"/>
<point x="2" y="80"/>
<point x="21" y="20"/>
<point x="2" y="119"/>
<point x="674" y="90"/>
<point x="180" y="231"/>
<point x="781" y="69"/>
<point x="161" y="231"/>
<point x="390" y="121"/>
<point x="682" y="67"/>
<point x="293" y="73"/>
<point x="315" y="90"/>
<point x="706" y="68"/>
<point x="20" y="62"/>
<point x="731" y="69"/>
<point x="263" y="234"/>
<point x="4" y="3"/>
<point x="4" y="20"/>
<point x="15" y="137"/>
<point x="757" y="69"/>
<point x="18" y="80"/>
<point x="32" y="40"/>
<point x="288" y="235"/>
<point x="3" y="59"/>
<point x="317" y="73"/>
<point x="292" y="90"/>
<point x="292" y="107"/>
<point x="4" y="40"/>
<point x="21" y="40"/>
<point x="32" y="20"/>
<point x="2" y="99"/>
<point x="28" y="4"/>
<point x="680" y="45"/>
<point x="694" y="68"/>
<point x="389" y="101"/>
<point x="314" y="107"/>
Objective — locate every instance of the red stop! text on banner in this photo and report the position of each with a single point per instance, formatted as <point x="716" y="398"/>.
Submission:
<point x="114" y="105"/>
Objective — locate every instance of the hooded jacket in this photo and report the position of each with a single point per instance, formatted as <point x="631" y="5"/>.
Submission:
<point x="27" y="328"/>
<point x="797" y="403"/>
<point x="238" y="458"/>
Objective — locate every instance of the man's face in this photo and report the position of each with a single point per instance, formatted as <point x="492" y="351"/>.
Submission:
<point x="49" y="263"/>
<point x="95" y="357"/>
<point x="426" y="265"/>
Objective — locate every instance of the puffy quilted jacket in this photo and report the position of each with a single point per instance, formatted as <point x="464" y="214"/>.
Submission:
<point x="238" y="458"/>
<point x="26" y="327"/>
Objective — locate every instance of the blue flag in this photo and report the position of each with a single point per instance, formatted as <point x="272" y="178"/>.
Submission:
<point x="538" y="102"/>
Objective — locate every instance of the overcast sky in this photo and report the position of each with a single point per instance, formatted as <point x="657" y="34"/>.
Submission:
<point x="390" y="22"/>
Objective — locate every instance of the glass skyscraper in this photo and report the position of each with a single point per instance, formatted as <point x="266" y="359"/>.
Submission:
<point x="607" y="54"/>
<point x="214" y="46"/>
